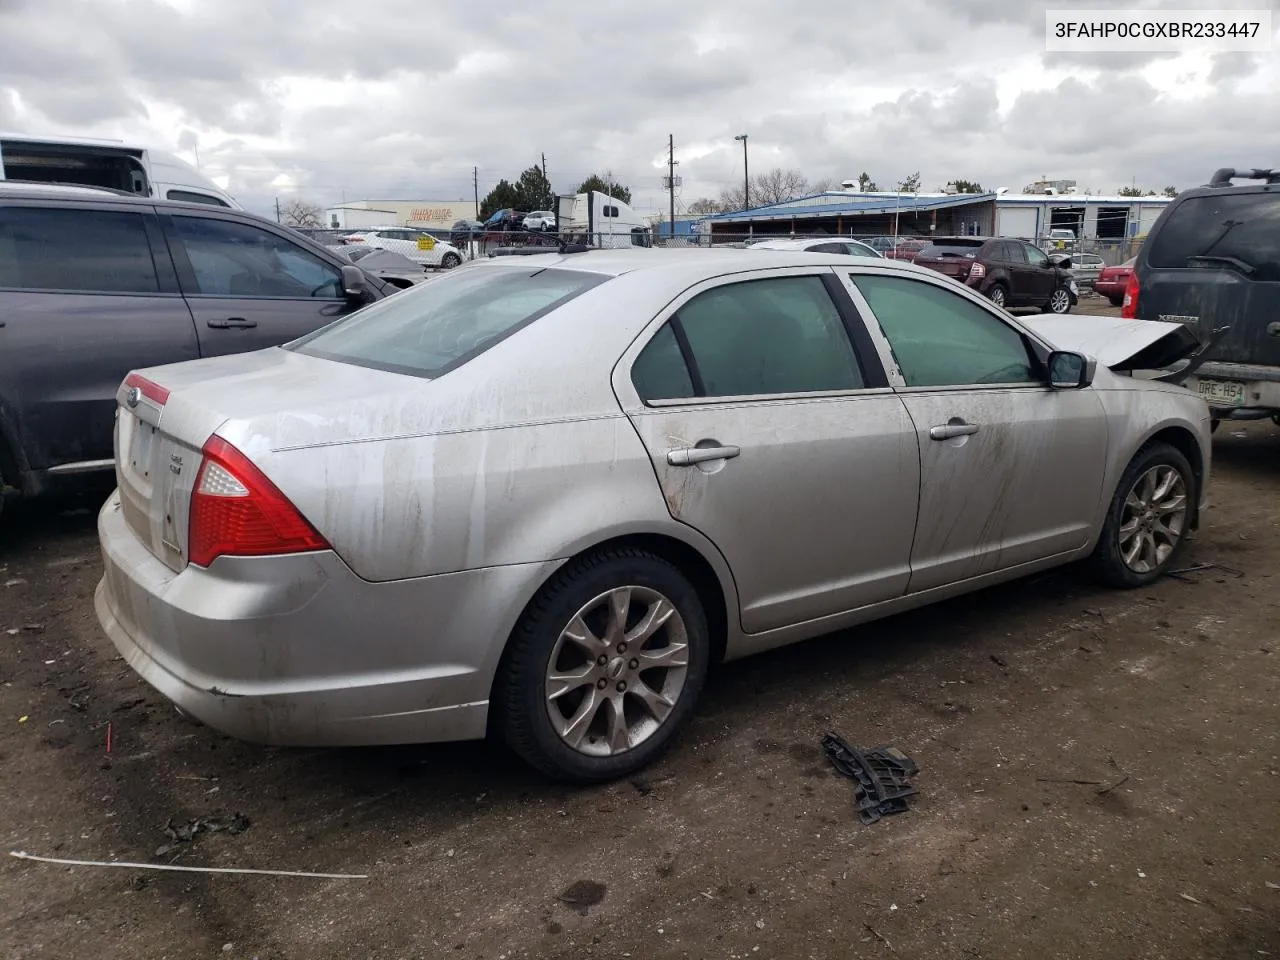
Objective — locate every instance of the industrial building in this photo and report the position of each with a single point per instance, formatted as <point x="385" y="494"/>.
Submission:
<point x="362" y="214"/>
<point x="1029" y="216"/>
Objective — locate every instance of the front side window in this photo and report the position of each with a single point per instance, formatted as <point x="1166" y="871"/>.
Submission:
<point x="430" y="329"/>
<point x="1035" y="256"/>
<point x="237" y="260"/>
<point x="941" y="339"/>
<point x="780" y="335"/>
<point x="89" y="251"/>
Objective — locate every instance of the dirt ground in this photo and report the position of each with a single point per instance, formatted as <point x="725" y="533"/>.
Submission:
<point x="741" y="842"/>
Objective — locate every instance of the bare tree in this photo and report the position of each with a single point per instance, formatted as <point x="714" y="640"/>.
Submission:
<point x="731" y="199"/>
<point x="778" y="186"/>
<point x="301" y="213"/>
<point x="705" y="205"/>
<point x="823" y="185"/>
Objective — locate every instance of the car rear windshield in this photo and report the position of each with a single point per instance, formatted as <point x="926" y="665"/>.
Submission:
<point x="440" y="325"/>
<point x="1240" y="227"/>
<point x="952" y="248"/>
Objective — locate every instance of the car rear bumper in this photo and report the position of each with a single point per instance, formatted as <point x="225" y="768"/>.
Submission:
<point x="1110" y="288"/>
<point x="298" y="650"/>
<point x="1256" y="389"/>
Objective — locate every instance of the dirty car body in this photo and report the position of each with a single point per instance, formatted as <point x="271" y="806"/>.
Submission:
<point x="410" y="526"/>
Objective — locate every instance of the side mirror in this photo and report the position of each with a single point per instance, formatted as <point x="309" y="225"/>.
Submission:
<point x="354" y="284"/>
<point x="1070" y="371"/>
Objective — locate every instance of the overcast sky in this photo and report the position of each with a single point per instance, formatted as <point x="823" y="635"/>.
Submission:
<point x="399" y="99"/>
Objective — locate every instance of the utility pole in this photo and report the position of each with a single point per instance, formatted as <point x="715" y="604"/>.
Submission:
<point x="746" y="177"/>
<point x="549" y="198"/>
<point x="671" y="179"/>
<point x="277" y="209"/>
<point x="475" y="186"/>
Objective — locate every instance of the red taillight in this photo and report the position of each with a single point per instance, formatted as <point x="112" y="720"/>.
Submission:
<point x="1129" y="310"/>
<point x="152" y="391"/>
<point x="237" y="511"/>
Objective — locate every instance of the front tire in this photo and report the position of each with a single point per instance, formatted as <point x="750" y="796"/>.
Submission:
<point x="604" y="668"/>
<point x="1149" y="518"/>
<point x="1059" y="302"/>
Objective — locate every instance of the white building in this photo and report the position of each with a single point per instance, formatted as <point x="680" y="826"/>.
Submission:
<point x="362" y="214"/>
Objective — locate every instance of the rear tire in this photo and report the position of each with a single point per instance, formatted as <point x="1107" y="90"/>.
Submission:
<point x="450" y="260"/>
<point x="1149" y="518"/>
<point x="1116" y="301"/>
<point x="999" y="295"/>
<point x="571" y="699"/>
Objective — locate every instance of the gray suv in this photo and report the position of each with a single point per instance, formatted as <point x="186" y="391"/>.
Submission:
<point x="94" y="284"/>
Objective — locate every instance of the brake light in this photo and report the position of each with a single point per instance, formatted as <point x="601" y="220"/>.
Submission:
<point x="148" y="388"/>
<point x="977" y="270"/>
<point x="237" y="511"/>
<point x="1129" y="309"/>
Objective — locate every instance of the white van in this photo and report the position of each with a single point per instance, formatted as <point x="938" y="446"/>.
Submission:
<point x="599" y="220"/>
<point x="107" y="163"/>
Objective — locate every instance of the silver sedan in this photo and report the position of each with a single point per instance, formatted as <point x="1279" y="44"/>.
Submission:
<point x="540" y="496"/>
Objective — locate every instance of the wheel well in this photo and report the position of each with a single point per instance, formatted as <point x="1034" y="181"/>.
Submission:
<point x="684" y="558"/>
<point x="1184" y="442"/>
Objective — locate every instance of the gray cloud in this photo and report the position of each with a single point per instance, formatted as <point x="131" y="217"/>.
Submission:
<point x="828" y="87"/>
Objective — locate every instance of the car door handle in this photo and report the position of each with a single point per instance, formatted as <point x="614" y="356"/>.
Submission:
<point x="237" y="322"/>
<point x="948" y="430"/>
<point x="688" y="456"/>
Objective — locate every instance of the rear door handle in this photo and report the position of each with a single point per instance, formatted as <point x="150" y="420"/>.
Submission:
<point x="688" y="456"/>
<point x="948" y="430"/>
<point x="237" y="322"/>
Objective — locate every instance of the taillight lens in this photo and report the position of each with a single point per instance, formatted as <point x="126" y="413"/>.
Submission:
<point x="237" y="511"/>
<point x="1129" y="309"/>
<point x="977" y="270"/>
<point x="148" y="388"/>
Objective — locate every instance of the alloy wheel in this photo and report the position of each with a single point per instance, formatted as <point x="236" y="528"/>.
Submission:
<point x="1154" y="519"/>
<point x="997" y="296"/>
<point x="616" y="671"/>
<point x="1060" y="302"/>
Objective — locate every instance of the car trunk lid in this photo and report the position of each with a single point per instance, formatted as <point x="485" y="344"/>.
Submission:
<point x="1214" y="297"/>
<point x="166" y="414"/>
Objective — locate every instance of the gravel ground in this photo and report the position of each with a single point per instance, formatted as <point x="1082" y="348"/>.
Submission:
<point x="741" y="842"/>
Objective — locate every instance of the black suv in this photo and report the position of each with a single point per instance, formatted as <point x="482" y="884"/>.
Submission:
<point x="1013" y="273"/>
<point x="95" y="284"/>
<point x="1212" y="260"/>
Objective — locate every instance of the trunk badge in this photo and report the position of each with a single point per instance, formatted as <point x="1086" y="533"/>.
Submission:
<point x="133" y="397"/>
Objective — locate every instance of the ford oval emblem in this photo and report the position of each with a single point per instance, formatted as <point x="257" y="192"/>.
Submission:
<point x="133" y="397"/>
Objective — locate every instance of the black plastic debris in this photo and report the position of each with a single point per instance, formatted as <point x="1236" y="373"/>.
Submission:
<point x="883" y="776"/>
<point x="189" y="831"/>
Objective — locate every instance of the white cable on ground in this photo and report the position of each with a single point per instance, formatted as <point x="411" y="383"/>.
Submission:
<point x="23" y="855"/>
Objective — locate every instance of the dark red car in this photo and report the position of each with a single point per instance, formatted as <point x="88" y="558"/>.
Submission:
<point x="905" y="249"/>
<point x="1112" y="281"/>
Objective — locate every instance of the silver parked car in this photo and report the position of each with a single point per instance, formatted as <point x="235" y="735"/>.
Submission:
<point x="542" y="495"/>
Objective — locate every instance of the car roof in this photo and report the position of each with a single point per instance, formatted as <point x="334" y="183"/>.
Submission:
<point x="46" y="191"/>
<point x="789" y="243"/>
<point x="714" y="262"/>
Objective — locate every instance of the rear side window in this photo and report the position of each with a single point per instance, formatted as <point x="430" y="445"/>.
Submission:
<point x="83" y="251"/>
<point x="431" y="329"/>
<point x="186" y="196"/>
<point x="779" y="335"/>
<point x="1242" y="226"/>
